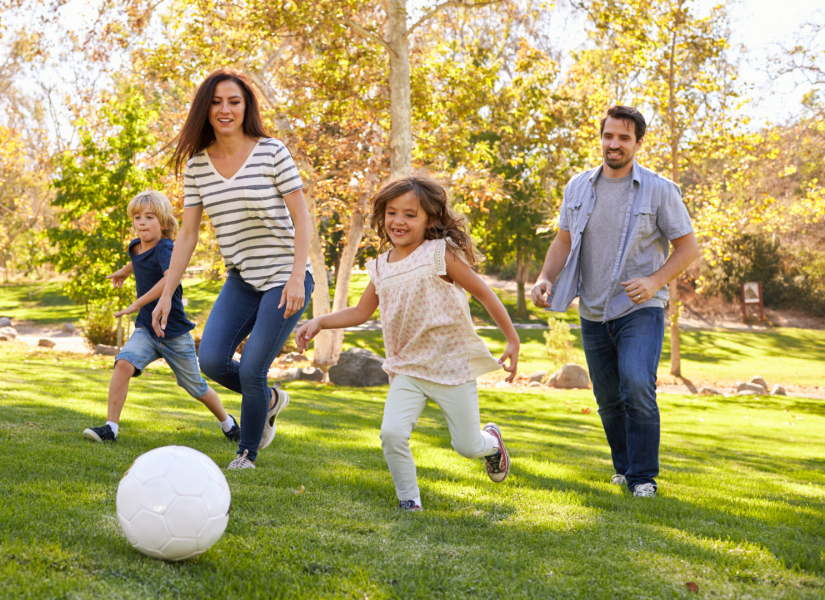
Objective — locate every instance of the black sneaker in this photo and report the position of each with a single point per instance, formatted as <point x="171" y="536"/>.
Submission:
<point x="234" y="434"/>
<point x="100" y="434"/>
<point x="498" y="464"/>
<point x="408" y="505"/>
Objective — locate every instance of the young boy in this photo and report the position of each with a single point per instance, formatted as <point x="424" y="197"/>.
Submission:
<point x="151" y="214"/>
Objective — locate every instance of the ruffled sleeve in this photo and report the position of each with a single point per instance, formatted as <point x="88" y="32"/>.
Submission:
<point x="370" y="266"/>
<point x="439" y="262"/>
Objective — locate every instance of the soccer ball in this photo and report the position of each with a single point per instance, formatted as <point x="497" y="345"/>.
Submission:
<point x="173" y="503"/>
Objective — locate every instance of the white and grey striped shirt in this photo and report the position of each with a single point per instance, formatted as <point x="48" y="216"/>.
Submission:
<point x="252" y="223"/>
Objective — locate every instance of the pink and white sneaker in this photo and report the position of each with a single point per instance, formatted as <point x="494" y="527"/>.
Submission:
<point x="498" y="464"/>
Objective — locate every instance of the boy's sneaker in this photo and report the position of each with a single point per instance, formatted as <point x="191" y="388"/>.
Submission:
<point x="281" y="402"/>
<point x="100" y="434"/>
<point x="234" y="434"/>
<point x="241" y="462"/>
<point x="408" y="505"/>
<point x="645" y="490"/>
<point x="618" y="479"/>
<point x="498" y="464"/>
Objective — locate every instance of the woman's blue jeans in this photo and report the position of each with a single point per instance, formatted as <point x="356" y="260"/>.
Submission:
<point x="623" y="357"/>
<point x="242" y="310"/>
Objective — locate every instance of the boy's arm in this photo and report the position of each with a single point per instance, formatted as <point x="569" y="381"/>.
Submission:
<point x="348" y="317"/>
<point x="145" y="299"/>
<point x="121" y="275"/>
<point x="463" y="275"/>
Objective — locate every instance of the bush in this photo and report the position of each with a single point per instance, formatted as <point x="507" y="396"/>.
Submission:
<point x="101" y="325"/>
<point x="558" y="342"/>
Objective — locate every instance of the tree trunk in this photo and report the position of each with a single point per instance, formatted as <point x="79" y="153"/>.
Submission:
<point x="400" y="104"/>
<point x="675" y="342"/>
<point x="522" y="268"/>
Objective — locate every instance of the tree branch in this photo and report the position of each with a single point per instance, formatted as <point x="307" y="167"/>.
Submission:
<point x="364" y="32"/>
<point x="449" y="4"/>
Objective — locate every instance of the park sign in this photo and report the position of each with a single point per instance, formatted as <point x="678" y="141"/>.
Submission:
<point x="752" y="294"/>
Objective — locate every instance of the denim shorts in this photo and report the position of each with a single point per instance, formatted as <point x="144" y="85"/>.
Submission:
<point x="179" y="352"/>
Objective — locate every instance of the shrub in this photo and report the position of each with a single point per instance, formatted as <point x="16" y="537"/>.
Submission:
<point x="558" y="342"/>
<point x="101" y="325"/>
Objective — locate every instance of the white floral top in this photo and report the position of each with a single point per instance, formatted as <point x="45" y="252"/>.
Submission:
<point x="428" y="332"/>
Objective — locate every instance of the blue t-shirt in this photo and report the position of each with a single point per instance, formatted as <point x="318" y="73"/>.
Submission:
<point x="149" y="269"/>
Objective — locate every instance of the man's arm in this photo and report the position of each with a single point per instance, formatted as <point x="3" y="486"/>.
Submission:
<point x="554" y="262"/>
<point x="685" y="251"/>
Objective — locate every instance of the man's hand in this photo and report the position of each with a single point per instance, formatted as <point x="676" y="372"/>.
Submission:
<point x="641" y="289"/>
<point x="306" y="333"/>
<point x="511" y="352"/>
<point x="118" y="277"/>
<point x="132" y="308"/>
<point x="539" y="293"/>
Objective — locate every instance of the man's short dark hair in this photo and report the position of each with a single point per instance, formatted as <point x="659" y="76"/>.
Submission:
<point x="629" y="114"/>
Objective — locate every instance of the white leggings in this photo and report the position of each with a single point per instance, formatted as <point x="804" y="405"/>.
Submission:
<point x="405" y="401"/>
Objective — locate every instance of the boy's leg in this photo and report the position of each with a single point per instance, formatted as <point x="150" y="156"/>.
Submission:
<point x="405" y="401"/>
<point x="119" y="389"/>
<point x="603" y="366"/>
<point x="459" y="403"/>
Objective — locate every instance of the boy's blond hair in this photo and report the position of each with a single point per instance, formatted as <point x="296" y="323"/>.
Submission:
<point x="162" y="208"/>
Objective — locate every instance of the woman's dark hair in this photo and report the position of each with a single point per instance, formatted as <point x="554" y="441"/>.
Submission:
<point x="442" y="221"/>
<point x="628" y="114"/>
<point x="197" y="132"/>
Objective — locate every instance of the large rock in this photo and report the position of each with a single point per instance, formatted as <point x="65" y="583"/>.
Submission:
<point x="534" y="384"/>
<point x="294" y="357"/>
<point x="360" y="368"/>
<point x="709" y="391"/>
<point x="759" y="381"/>
<point x="46" y="343"/>
<point x="68" y="328"/>
<point x="9" y="332"/>
<point x="310" y="374"/>
<point x="778" y="390"/>
<point x="537" y="376"/>
<point x="107" y="350"/>
<point x="757" y="389"/>
<point x="570" y="376"/>
<point x="285" y="375"/>
<point x="5" y="322"/>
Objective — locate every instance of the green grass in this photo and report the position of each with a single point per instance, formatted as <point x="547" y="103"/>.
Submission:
<point x="740" y="507"/>
<point x="48" y="307"/>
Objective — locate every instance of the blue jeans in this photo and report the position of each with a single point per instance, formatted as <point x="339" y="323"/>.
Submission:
<point x="242" y="310"/>
<point x="623" y="356"/>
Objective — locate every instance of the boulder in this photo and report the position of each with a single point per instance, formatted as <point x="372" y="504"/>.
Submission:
<point x="747" y="393"/>
<point x="46" y="343"/>
<point x="709" y="391"/>
<point x="9" y="331"/>
<point x="359" y="367"/>
<point x="570" y="376"/>
<point x="534" y="384"/>
<point x="294" y="357"/>
<point x="759" y="390"/>
<point x="310" y="374"/>
<point x="285" y="375"/>
<point x="759" y="381"/>
<point x="68" y="328"/>
<point x="107" y="350"/>
<point x="537" y="376"/>
<point x="778" y="390"/>
<point x="5" y="322"/>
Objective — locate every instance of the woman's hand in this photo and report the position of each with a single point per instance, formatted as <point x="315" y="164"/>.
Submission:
<point x="161" y="314"/>
<point x="293" y="296"/>
<point x="306" y="333"/>
<point x="511" y="352"/>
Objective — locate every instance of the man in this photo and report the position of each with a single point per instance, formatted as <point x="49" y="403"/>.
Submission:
<point x="617" y="222"/>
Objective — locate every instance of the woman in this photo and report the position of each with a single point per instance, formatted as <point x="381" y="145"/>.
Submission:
<point x="250" y="188"/>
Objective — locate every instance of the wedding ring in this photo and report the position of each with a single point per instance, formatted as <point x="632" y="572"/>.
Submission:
<point x="639" y="297"/>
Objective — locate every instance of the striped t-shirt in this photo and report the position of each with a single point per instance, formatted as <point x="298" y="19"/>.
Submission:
<point x="252" y="223"/>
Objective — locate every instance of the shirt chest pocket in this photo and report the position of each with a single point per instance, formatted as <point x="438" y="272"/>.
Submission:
<point x="573" y="216"/>
<point x="645" y="217"/>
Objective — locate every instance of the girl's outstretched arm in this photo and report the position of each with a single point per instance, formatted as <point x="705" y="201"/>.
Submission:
<point x="348" y="317"/>
<point x="463" y="275"/>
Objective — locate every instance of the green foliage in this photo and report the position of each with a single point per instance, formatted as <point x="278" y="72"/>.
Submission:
<point x="101" y="325"/>
<point x="558" y="341"/>
<point x="93" y="189"/>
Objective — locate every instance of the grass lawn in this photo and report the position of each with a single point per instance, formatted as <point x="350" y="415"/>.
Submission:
<point x="740" y="509"/>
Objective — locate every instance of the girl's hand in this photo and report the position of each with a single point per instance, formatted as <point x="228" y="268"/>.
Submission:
<point x="511" y="352"/>
<point x="132" y="308"/>
<point x="293" y="296"/>
<point x="161" y="314"/>
<point x="306" y="333"/>
<point x="118" y="277"/>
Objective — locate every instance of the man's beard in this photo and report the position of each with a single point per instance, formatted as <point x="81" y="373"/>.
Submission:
<point x="617" y="163"/>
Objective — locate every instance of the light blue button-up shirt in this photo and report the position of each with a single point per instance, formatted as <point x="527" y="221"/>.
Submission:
<point x="655" y="215"/>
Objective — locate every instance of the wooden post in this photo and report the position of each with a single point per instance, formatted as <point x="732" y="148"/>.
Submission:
<point x="761" y="309"/>
<point x="744" y="308"/>
<point x="119" y="333"/>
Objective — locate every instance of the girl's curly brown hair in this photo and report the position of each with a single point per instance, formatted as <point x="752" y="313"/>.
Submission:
<point x="442" y="221"/>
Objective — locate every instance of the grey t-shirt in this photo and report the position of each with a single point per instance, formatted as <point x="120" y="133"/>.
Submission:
<point x="600" y="244"/>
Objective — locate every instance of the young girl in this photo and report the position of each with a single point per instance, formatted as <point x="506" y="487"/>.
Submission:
<point x="433" y="351"/>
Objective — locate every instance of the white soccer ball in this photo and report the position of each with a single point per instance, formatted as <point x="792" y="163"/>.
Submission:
<point x="173" y="503"/>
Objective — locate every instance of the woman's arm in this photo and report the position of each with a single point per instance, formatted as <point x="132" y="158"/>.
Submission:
<point x="348" y="317"/>
<point x="463" y="275"/>
<point x="185" y="245"/>
<point x="293" y="294"/>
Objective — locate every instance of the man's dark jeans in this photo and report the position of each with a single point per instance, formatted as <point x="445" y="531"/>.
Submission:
<point x="623" y="356"/>
<point x="242" y="310"/>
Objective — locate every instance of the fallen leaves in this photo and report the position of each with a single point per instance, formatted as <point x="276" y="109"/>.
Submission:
<point x="586" y="411"/>
<point x="692" y="587"/>
<point x="300" y="490"/>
